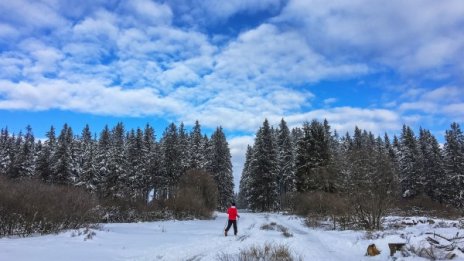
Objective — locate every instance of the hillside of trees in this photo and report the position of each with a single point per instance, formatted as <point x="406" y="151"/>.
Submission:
<point x="358" y="170"/>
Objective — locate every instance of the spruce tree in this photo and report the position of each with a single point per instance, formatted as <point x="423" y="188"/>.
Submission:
<point x="62" y="161"/>
<point x="197" y="153"/>
<point x="5" y="148"/>
<point x="285" y="162"/>
<point x="454" y="165"/>
<point x="432" y="165"/>
<point x="88" y="177"/>
<point x="263" y="170"/>
<point x="118" y="175"/>
<point x="220" y="166"/>
<point x="245" y="180"/>
<point x="102" y="163"/>
<point x="152" y="159"/>
<point x="409" y="163"/>
<point x="172" y="169"/>
<point x="45" y="156"/>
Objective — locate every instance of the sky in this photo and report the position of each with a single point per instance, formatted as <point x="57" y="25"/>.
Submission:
<point x="367" y="63"/>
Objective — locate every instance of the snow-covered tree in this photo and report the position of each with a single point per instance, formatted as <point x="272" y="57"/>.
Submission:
<point x="197" y="153"/>
<point x="454" y="165"/>
<point x="220" y="166"/>
<point x="102" y="163"/>
<point x="313" y="158"/>
<point x="88" y="177"/>
<point x="172" y="169"/>
<point x="245" y="180"/>
<point x="263" y="171"/>
<point x="432" y="173"/>
<point x="62" y="160"/>
<point x="43" y="168"/>
<point x="409" y="163"/>
<point x="285" y="161"/>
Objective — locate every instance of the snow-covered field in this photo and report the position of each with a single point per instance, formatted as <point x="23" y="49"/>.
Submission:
<point x="204" y="240"/>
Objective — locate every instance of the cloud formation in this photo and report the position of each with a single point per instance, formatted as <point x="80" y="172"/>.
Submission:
<point x="238" y="62"/>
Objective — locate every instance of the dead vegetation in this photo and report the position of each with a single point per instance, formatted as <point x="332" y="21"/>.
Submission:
<point x="268" y="252"/>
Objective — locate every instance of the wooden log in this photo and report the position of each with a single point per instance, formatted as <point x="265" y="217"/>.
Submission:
<point x="395" y="247"/>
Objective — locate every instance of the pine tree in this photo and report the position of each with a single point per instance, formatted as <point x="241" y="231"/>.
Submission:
<point x="62" y="161"/>
<point x="245" y="180"/>
<point x="432" y="165"/>
<point x="263" y="170"/>
<point x="313" y="158"/>
<point x="45" y="156"/>
<point x="88" y="177"/>
<point x="220" y="166"/>
<point x="197" y="153"/>
<point x="118" y="175"/>
<point x="26" y="156"/>
<point x="409" y="163"/>
<point x="172" y="169"/>
<point x="152" y="160"/>
<point x="184" y="148"/>
<point x="136" y="168"/>
<point x="6" y="147"/>
<point x="454" y="165"/>
<point x="102" y="163"/>
<point x="285" y="162"/>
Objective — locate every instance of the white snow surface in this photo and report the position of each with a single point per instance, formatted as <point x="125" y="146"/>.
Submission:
<point x="205" y="240"/>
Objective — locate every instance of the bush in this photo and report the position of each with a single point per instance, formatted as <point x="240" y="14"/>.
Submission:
<point x="123" y="210"/>
<point x="196" y="196"/>
<point x="268" y="252"/>
<point x="29" y="206"/>
<point x="423" y="205"/>
<point x="318" y="206"/>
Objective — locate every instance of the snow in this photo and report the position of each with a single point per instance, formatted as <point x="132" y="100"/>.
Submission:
<point x="204" y="240"/>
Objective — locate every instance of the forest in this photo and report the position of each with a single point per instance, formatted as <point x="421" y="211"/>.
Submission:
<point x="355" y="178"/>
<point x="130" y="175"/>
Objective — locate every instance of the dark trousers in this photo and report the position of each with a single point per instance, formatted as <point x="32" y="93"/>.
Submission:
<point x="232" y="222"/>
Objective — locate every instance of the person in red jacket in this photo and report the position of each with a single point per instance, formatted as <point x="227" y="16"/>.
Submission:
<point x="233" y="214"/>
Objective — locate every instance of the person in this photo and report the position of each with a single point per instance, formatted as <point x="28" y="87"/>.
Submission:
<point x="233" y="214"/>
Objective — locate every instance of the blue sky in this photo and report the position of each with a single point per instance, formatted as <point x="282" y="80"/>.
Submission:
<point x="374" y="64"/>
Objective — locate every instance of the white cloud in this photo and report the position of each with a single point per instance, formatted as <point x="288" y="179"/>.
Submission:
<point x="88" y="97"/>
<point x="345" y="119"/>
<point x="270" y="56"/>
<point x="330" y="101"/>
<point x="434" y="101"/>
<point x="151" y="11"/>
<point x="394" y="33"/>
<point x="31" y="15"/>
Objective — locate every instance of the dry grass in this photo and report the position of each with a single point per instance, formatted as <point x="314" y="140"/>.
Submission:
<point x="268" y="252"/>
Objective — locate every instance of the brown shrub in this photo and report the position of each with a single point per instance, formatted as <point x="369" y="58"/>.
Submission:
<point x="29" y="206"/>
<point x="317" y="206"/>
<point x="425" y="206"/>
<point x="196" y="195"/>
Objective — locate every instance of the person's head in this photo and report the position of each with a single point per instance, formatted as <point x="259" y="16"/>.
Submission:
<point x="233" y="203"/>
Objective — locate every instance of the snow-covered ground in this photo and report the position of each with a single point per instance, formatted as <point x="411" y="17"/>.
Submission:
<point x="204" y="240"/>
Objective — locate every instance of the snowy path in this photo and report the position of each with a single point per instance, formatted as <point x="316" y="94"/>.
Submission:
<point x="192" y="240"/>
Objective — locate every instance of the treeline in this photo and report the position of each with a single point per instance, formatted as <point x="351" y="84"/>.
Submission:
<point x="360" y="168"/>
<point x="119" y="163"/>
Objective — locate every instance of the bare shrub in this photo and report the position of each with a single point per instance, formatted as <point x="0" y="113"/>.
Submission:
<point x="318" y="206"/>
<point x="124" y="210"/>
<point x="29" y="206"/>
<point x="268" y="252"/>
<point x="196" y="195"/>
<point x="423" y="205"/>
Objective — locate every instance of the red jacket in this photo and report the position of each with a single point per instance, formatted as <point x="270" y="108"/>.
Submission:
<point x="233" y="214"/>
